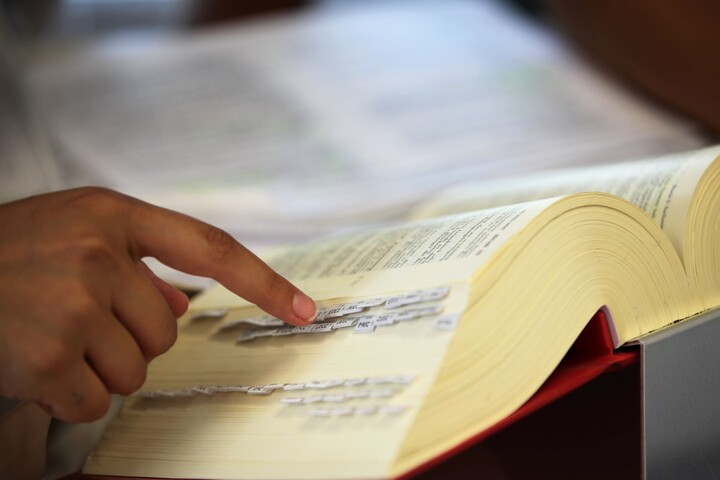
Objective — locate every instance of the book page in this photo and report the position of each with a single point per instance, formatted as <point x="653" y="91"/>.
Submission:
<point x="403" y="257"/>
<point x="662" y="187"/>
<point x="333" y="400"/>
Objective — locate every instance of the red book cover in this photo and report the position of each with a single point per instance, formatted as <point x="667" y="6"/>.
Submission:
<point x="591" y="356"/>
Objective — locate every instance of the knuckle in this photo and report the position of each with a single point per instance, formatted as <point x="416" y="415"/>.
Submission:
<point x="161" y="341"/>
<point x="171" y="336"/>
<point x="131" y="380"/>
<point x="49" y="359"/>
<point x="221" y="245"/>
<point x="98" y="204"/>
<point x="136" y="380"/>
<point x="93" y="249"/>
<point x="97" y="197"/>
<point x="79" y="310"/>
<point x="94" y="408"/>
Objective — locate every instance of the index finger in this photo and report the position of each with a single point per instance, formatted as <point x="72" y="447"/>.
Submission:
<point x="197" y="248"/>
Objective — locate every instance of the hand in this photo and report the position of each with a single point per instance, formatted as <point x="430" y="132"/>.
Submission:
<point x="81" y="315"/>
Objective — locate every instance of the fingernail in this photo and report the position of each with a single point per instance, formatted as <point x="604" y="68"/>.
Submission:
<point x="304" y="307"/>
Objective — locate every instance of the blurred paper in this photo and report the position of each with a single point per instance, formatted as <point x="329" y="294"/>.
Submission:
<point x="287" y="128"/>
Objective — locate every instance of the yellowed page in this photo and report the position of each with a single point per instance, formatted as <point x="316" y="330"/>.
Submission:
<point x="588" y="251"/>
<point x="238" y="435"/>
<point x="395" y="258"/>
<point x="662" y="187"/>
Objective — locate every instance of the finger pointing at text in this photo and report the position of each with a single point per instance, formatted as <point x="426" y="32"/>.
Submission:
<point x="81" y="315"/>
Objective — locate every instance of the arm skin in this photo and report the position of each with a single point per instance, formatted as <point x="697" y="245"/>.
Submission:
<point x="81" y="315"/>
<point x="669" y="49"/>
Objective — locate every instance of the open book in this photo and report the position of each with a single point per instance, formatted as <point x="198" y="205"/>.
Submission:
<point x="429" y="332"/>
